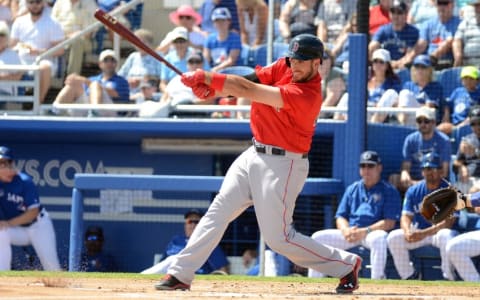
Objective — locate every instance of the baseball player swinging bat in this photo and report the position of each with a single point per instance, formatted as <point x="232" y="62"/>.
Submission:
<point x="112" y="23"/>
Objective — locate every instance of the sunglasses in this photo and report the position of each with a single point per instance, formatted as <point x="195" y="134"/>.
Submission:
<point x="34" y="1"/>
<point x="195" y="61"/>
<point x="179" y="41"/>
<point x="443" y="3"/>
<point x="368" y="166"/>
<point x="397" y="12"/>
<point x="419" y="66"/>
<point x="185" y="17"/>
<point x="474" y="124"/>
<point x="109" y="59"/>
<point x="193" y="221"/>
<point x="378" y="61"/>
<point x="423" y="121"/>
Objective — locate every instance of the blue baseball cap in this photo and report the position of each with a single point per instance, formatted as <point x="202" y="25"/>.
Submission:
<point x="370" y="157"/>
<point x="431" y="160"/>
<point x="221" y="13"/>
<point x="193" y="211"/>
<point x="422" y="60"/>
<point x="5" y="153"/>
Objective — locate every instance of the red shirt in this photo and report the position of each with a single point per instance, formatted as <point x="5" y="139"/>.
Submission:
<point x="378" y="17"/>
<point x="292" y="126"/>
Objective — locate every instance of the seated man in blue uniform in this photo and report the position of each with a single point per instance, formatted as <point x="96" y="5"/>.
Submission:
<point x="217" y="262"/>
<point x="95" y="259"/>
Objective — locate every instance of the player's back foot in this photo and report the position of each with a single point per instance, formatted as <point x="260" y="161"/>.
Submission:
<point x="171" y="283"/>
<point x="349" y="282"/>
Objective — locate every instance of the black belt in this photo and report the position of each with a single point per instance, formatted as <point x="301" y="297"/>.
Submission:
<point x="39" y="216"/>
<point x="261" y="148"/>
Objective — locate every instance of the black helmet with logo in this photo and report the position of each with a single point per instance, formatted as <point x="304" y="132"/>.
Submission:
<point x="305" y="47"/>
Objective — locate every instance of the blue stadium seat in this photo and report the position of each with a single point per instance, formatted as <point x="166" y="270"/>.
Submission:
<point x="259" y="54"/>
<point x="450" y="80"/>
<point x="237" y="70"/>
<point x="246" y="58"/>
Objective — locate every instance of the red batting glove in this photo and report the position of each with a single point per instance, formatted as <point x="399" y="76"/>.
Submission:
<point x="191" y="79"/>
<point x="203" y="91"/>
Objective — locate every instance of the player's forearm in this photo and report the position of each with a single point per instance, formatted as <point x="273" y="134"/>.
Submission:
<point x="25" y="218"/>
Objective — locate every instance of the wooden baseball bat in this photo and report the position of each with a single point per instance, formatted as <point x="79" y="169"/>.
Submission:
<point x="112" y="23"/>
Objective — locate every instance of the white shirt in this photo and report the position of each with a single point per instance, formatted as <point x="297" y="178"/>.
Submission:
<point x="40" y="34"/>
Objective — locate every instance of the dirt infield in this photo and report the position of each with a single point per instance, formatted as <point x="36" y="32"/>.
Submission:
<point x="49" y="288"/>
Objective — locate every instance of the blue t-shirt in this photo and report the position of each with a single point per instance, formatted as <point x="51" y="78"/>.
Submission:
<point x="435" y="32"/>
<point x="413" y="197"/>
<point x="100" y="262"/>
<point x="432" y="93"/>
<point x="215" y="261"/>
<point x="219" y="50"/>
<point x="180" y="63"/>
<point x="116" y="82"/>
<point x="362" y="207"/>
<point x="397" y="42"/>
<point x="18" y="196"/>
<point x="389" y="83"/>
<point x="414" y="147"/>
<point x="460" y="102"/>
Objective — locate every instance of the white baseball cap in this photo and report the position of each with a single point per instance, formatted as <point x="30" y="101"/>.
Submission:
<point x="381" y="54"/>
<point x="426" y="112"/>
<point x="107" y="53"/>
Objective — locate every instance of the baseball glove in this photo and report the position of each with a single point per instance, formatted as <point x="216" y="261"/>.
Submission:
<point x="441" y="204"/>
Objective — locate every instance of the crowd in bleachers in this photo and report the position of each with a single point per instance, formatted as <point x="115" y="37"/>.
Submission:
<point x="422" y="54"/>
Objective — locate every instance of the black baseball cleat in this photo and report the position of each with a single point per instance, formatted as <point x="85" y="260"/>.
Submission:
<point x="171" y="283"/>
<point x="349" y="282"/>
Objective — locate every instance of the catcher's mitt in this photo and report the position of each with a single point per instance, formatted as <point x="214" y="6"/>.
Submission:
<point x="440" y="204"/>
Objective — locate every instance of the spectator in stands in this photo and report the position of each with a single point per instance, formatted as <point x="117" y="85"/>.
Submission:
<point x="383" y="86"/>
<point x="175" y="92"/>
<point x="148" y="91"/>
<point x="333" y="82"/>
<point x="186" y="16"/>
<point x="379" y="15"/>
<point x="466" y="45"/>
<point x="109" y="5"/>
<point x="207" y="8"/>
<point x="18" y="8"/>
<point x="332" y="17"/>
<point x="421" y="11"/>
<point x="415" y="231"/>
<point x="461" y="100"/>
<point x="74" y="16"/>
<point x="422" y="90"/>
<point x="106" y="87"/>
<point x="398" y="37"/>
<point x="222" y="48"/>
<point x="467" y="163"/>
<point x="33" y="34"/>
<point x="369" y="208"/>
<point x="460" y="251"/>
<point x="296" y="17"/>
<point x="252" y="17"/>
<point x="177" y="56"/>
<point x="139" y="65"/>
<point x="436" y="35"/>
<point x="95" y="259"/>
<point x="217" y="262"/>
<point x="7" y="57"/>
<point x="340" y="49"/>
<point x="417" y="144"/>
<point x="24" y="221"/>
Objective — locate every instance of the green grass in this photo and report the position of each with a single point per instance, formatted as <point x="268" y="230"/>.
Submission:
<point x="291" y="279"/>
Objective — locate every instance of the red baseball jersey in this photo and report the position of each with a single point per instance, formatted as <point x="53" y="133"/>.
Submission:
<point x="292" y="126"/>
